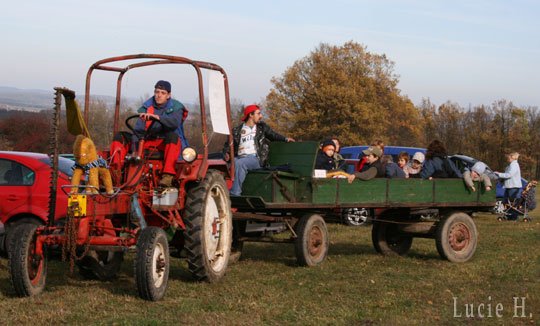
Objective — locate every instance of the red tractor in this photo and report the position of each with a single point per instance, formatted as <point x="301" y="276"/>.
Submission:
<point x="194" y="216"/>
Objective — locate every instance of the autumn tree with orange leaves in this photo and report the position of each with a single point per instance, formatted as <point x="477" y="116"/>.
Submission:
<point x="344" y="91"/>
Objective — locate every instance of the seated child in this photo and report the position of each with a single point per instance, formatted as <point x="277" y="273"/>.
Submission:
<point x="326" y="160"/>
<point x="325" y="156"/>
<point x="403" y="159"/>
<point x="413" y="169"/>
<point x="477" y="174"/>
<point x="392" y="170"/>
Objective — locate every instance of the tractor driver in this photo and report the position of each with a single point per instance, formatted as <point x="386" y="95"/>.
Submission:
<point x="168" y="130"/>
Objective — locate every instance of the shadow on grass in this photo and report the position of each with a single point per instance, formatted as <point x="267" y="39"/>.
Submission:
<point x="6" y="289"/>
<point x="281" y="253"/>
<point x="59" y="276"/>
<point x="423" y="256"/>
<point x="285" y="253"/>
<point x="352" y="249"/>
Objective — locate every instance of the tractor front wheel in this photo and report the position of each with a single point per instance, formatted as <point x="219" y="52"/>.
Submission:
<point x="208" y="228"/>
<point x="28" y="270"/>
<point x="152" y="263"/>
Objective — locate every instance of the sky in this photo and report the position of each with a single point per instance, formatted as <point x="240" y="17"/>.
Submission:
<point x="468" y="52"/>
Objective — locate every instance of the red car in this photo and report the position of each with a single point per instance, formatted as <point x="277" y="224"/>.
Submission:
<point x="24" y="190"/>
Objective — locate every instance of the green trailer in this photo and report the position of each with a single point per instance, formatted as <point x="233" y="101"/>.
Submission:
<point x="402" y="209"/>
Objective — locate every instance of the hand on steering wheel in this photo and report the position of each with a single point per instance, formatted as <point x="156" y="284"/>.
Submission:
<point x="144" y="117"/>
<point x="149" y="116"/>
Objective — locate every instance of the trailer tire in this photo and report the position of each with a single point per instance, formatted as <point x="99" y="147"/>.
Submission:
<point x="387" y="240"/>
<point x="311" y="245"/>
<point x="152" y="263"/>
<point x="28" y="271"/>
<point x="456" y="237"/>
<point x="100" y="265"/>
<point x="208" y="220"/>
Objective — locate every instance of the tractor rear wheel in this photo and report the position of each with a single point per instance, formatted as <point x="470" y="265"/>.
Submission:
<point x="208" y="220"/>
<point x="101" y="265"/>
<point x="28" y="270"/>
<point x="152" y="263"/>
<point x="311" y="246"/>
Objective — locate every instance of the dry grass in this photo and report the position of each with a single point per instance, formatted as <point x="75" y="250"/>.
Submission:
<point x="354" y="286"/>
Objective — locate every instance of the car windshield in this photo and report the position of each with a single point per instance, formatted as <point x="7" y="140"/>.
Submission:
<point x="64" y="164"/>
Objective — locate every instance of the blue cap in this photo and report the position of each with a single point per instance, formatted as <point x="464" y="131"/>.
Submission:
<point x="164" y="85"/>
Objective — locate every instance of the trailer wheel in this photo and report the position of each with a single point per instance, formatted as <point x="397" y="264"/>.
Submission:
<point x="456" y="237"/>
<point x="311" y="246"/>
<point x="101" y="265"/>
<point x="388" y="241"/>
<point x="152" y="263"/>
<point x="208" y="228"/>
<point x="28" y="270"/>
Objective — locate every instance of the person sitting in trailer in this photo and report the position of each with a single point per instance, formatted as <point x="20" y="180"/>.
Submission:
<point x="168" y="129"/>
<point x="437" y="164"/>
<point x="325" y="156"/>
<point x="373" y="169"/>
<point x="250" y="140"/>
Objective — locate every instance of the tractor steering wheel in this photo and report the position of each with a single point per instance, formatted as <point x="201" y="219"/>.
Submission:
<point x="132" y="129"/>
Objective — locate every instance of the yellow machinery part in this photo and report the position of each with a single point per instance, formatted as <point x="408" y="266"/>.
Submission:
<point x="77" y="205"/>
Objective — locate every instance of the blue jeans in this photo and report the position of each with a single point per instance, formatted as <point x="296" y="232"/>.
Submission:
<point x="242" y="165"/>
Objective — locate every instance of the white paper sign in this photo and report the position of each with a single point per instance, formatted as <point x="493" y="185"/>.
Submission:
<point x="319" y="173"/>
<point x="216" y="97"/>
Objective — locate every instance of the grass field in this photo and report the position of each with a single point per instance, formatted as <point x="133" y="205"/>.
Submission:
<point x="353" y="286"/>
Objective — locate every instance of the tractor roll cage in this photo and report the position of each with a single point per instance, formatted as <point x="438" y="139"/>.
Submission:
<point x="157" y="59"/>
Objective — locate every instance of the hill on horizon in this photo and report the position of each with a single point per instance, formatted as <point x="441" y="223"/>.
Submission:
<point x="12" y="98"/>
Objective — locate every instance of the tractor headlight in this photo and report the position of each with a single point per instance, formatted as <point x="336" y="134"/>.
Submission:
<point x="189" y="154"/>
